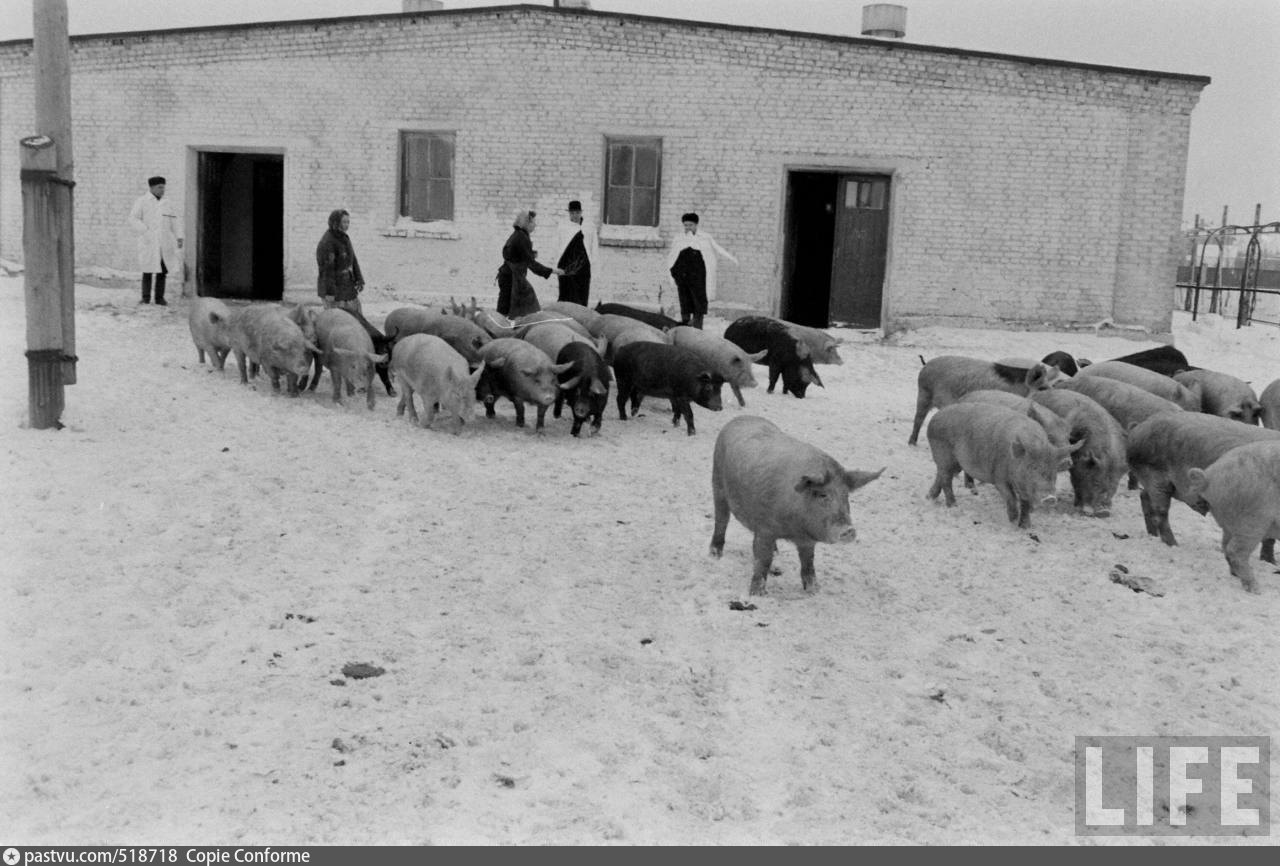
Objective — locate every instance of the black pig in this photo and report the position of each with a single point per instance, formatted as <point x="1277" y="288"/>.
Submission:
<point x="660" y="370"/>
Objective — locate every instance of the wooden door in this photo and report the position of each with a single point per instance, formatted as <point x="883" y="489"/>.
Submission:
<point x="861" y="244"/>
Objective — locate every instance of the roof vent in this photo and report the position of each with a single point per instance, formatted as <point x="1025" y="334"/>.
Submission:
<point x="573" y="4"/>
<point x="423" y="5"/>
<point x="885" y="20"/>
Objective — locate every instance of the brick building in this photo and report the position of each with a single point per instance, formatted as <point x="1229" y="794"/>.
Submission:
<point x="856" y="180"/>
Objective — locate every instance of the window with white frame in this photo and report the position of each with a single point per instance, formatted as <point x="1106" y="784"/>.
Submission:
<point x="426" y="175"/>
<point x="633" y="176"/>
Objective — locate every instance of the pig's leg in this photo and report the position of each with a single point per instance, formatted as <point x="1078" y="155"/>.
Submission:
<point x="1011" y="503"/>
<point x="762" y="549"/>
<point x="291" y="384"/>
<point x="519" y="411"/>
<point x="385" y="376"/>
<point x="947" y="469"/>
<point x="808" y="577"/>
<point x="337" y="384"/>
<point x="1268" y="553"/>
<point x="556" y="410"/>
<point x="775" y="371"/>
<point x="675" y="413"/>
<point x="1160" y="499"/>
<point x="428" y="410"/>
<point x="622" y="402"/>
<point x="244" y="378"/>
<point x="542" y="417"/>
<point x="275" y="378"/>
<point x="221" y="358"/>
<point x="721" y="503"/>
<point x="1024" y="513"/>
<point x="200" y="355"/>
<point x="317" y="366"/>
<point x="1237" y="548"/>
<point x="924" y="402"/>
<point x="737" y="392"/>
<point x="1148" y="515"/>
<point x="370" y="396"/>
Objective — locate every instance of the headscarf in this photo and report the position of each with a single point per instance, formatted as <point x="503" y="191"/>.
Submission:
<point x="335" y="221"/>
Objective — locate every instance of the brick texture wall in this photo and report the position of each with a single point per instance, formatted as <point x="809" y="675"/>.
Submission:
<point x="1022" y="191"/>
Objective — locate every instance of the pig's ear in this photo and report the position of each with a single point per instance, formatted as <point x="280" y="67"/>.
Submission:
<point x="1197" y="481"/>
<point x="566" y="385"/>
<point x="377" y="359"/>
<point x="599" y="388"/>
<point x="497" y="363"/>
<point x="560" y="368"/>
<point x="476" y="374"/>
<point x="856" y="478"/>
<point x="757" y="356"/>
<point x="813" y="482"/>
<point x="311" y="347"/>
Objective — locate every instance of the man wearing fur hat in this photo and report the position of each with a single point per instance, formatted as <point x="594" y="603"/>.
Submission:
<point x="156" y="226"/>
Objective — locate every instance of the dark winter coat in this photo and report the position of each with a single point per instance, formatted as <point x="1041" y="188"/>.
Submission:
<point x="339" y="272"/>
<point x="515" y="295"/>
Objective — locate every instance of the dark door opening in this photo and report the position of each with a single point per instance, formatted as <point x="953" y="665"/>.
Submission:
<point x="837" y="230"/>
<point x="811" y="226"/>
<point x="240" y="236"/>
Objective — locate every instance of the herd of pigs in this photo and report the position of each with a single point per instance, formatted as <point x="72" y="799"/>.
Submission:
<point x="1175" y="430"/>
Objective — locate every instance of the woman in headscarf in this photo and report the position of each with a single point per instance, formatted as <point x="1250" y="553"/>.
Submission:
<point x="339" y="282"/>
<point x="515" y="296"/>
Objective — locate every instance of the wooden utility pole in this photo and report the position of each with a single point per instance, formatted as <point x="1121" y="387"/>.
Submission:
<point x="48" y="240"/>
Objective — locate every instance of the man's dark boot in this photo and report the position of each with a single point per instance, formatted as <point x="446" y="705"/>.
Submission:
<point x="146" y="289"/>
<point x="160" y="290"/>
<point x="696" y="321"/>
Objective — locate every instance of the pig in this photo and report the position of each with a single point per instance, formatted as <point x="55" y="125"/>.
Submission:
<point x="522" y="373"/>
<point x="780" y="487"/>
<point x="1165" y="360"/>
<point x="551" y="337"/>
<point x="463" y="335"/>
<point x="347" y="350"/>
<point x="611" y="325"/>
<point x="823" y="348"/>
<point x="786" y="355"/>
<point x="946" y="378"/>
<point x="429" y="366"/>
<point x="1270" y="401"/>
<point x="583" y="315"/>
<point x="382" y="346"/>
<point x="661" y="370"/>
<point x="629" y="336"/>
<point x="658" y="319"/>
<point x="1100" y="464"/>
<point x="1128" y="404"/>
<point x="726" y="358"/>
<point x="210" y="324"/>
<point x="1223" y="395"/>
<point x="1164" y="448"/>
<point x="1155" y="383"/>
<point x="1054" y="426"/>
<point x="1065" y="362"/>
<point x="1242" y="490"/>
<point x="263" y="335"/>
<point x="522" y="325"/>
<point x="585" y="385"/>
<point x="1000" y="446"/>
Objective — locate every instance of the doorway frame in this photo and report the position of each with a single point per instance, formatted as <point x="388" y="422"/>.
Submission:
<point x="888" y="167"/>
<point x="191" y="204"/>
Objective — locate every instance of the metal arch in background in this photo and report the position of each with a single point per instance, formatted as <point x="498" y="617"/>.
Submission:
<point x="1248" y="288"/>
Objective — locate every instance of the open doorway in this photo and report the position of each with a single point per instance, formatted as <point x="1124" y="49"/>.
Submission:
<point x="240" y="229"/>
<point x="834" y="253"/>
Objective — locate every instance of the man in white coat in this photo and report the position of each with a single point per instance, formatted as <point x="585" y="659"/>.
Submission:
<point x="156" y="226"/>
<point x="691" y="266"/>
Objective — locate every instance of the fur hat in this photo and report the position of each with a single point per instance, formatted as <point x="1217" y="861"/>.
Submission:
<point x="575" y="205"/>
<point x="689" y="218"/>
<point x="152" y="181"/>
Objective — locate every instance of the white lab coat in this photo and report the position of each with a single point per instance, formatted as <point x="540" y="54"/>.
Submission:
<point x="590" y="241"/>
<point x="156" y="225"/>
<point x="705" y="244"/>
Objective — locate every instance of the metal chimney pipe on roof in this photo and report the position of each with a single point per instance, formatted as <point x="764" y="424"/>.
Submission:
<point x="884" y="20"/>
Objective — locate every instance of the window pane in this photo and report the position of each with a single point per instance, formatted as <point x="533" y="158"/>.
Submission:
<point x="646" y="166"/>
<point x="620" y="165"/>
<point x="441" y="156"/>
<point x="877" y="195"/>
<point x="644" y="208"/>
<point x="439" y="200"/>
<point x="618" y="212"/>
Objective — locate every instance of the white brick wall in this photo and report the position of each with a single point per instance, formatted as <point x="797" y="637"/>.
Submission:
<point x="1023" y="191"/>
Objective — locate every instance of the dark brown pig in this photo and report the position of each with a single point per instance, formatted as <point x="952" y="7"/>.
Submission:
<point x="661" y="370"/>
<point x="652" y="318"/>
<point x="581" y="314"/>
<point x="946" y="378"/>
<point x="346" y="349"/>
<point x="998" y="446"/>
<point x="780" y="488"/>
<point x="1166" y="447"/>
<point x="585" y="385"/>
<point x="1147" y="380"/>
<point x="1100" y="464"/>
<point x="522" y="373"/>
<point x="1242" y="489"/>
<point x="786" y="355"/>
<point x="1223" y="395"/>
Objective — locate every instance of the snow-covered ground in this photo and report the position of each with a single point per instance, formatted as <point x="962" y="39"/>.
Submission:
<point x="189" y="565"/>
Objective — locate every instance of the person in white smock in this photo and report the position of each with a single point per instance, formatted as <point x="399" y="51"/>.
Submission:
<point x="156" y="226"/>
